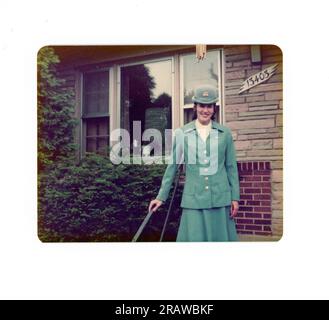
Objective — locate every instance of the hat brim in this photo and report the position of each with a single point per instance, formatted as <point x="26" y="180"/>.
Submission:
<point x="204" y="101"/>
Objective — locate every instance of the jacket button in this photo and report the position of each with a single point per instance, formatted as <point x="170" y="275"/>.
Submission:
<point x="206" y="170"/>
<point x="205" y="160"/>
<point x="207" y="187"/>
<point x="206" y="178"/>
<point x="205" y="152"/>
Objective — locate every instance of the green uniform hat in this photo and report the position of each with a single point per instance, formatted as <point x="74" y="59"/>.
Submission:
<point x="205" y="95"/>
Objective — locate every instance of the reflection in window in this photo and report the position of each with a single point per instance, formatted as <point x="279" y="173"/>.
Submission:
<point x="95" y="115"/>
<point x="146" y="97"/>
<point x="188" y="115"/>
<point x="196" y="73"/>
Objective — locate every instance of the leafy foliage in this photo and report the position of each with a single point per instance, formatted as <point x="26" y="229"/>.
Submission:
<point x="92" y="200"/>
<point x="55" y="112"/>
<point x="96" y="200"/>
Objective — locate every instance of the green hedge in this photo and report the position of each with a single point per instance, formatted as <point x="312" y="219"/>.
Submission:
<point x="95" y="200"/>
<point x="55" y="105"/>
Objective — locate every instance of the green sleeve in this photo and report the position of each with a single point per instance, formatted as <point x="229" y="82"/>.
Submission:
<point x="176" y="158"/>
<point x="232" y="168"/>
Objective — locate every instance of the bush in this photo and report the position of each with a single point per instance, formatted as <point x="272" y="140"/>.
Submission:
<point x="55" y="105"/>
<point x="96" y="200"/>
<point x="93" y="200"/>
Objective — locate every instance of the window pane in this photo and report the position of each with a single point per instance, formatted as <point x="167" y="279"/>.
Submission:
<point x="96" y="93"/>
<point x="188" y="115"/>
<point x="103" y="145"/>
<point x="97" y="126"/>
<point x="97" y="135"/>
<point x="91" y="145"/>
<point x="97" y="145"/>
<point x="146" y="96"/>
<point x="196" y="73"/>
<point x="91" y="128"/>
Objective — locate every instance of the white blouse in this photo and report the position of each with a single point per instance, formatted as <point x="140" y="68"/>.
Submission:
<point x="203" y="130"/>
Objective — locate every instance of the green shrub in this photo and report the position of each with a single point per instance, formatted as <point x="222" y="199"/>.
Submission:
<point x="93" y="200"/>
<point x="56" y="121"/>
<point x="96" y="200"/>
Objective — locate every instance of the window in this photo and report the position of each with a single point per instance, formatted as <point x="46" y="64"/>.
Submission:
<point x="146" y="96"/>
<point x="194" y="73"/>
<point x="95" y="111"/>
<point x="143" y="92"/>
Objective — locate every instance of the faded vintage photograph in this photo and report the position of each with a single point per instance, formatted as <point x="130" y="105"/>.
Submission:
<point x="160" y="143"/>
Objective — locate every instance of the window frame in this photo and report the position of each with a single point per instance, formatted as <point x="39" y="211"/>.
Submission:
<point x="145" y="61"/>
<point x="84" y="118"/>
<point x="177" y="87"/>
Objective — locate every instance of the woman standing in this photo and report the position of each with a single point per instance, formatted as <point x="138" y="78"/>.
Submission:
<point x="211" y="191"/>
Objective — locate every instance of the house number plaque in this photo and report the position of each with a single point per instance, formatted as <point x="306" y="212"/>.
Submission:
<point x="258" y="78"/>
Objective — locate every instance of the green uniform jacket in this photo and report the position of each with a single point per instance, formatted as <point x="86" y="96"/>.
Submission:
<point x="211" y="175"/>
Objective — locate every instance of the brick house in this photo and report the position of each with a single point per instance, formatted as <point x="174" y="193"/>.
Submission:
<point x="116" y="85"/>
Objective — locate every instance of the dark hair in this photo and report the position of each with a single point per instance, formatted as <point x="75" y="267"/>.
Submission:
<point x="212" y="117"/>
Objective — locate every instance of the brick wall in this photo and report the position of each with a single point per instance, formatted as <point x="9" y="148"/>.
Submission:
<point x="255" y="212"/>
<point x="255" y="117"/>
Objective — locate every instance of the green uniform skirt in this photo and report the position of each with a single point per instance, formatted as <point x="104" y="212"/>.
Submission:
<point x="212" y="224"/>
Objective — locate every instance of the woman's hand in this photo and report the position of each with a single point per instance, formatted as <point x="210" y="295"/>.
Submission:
<point x="234" y="208"/>
<point x="154" y="205"/>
